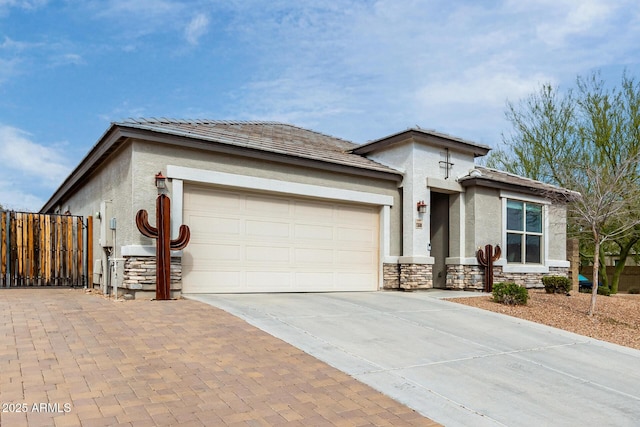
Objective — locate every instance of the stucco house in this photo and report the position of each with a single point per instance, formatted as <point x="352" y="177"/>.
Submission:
<point x="277" y="208"/>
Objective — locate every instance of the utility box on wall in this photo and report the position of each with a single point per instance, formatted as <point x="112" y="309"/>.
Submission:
<point x="106" y="234"/>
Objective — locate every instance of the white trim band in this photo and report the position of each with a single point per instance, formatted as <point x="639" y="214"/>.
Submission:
<point x="276" y="186"/>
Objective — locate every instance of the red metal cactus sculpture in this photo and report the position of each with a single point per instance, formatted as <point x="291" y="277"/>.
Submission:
<point x="164" y="244"/>
<point x="486" y="259"/>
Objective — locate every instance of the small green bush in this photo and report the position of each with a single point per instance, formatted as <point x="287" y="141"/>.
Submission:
<point x="556" y="284"/>
<point x="634" y="291"/>
<point x="604" y="290"/>
<point x="510" y="293"/>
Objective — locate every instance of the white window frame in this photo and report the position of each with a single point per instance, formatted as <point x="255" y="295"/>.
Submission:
<point x="523" y="233"/>
<point x="523" y="267"/>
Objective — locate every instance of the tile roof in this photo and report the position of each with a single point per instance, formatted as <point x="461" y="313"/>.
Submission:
<point x="267" y="136"/>
<point x="497" y="176"/>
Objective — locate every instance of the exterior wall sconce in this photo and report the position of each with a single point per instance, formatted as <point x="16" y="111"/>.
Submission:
<point x="161" y="181"/>
<point x="422" y="207"/>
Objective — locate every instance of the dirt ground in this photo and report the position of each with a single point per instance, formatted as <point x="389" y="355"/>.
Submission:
<point x="617" y="318"/>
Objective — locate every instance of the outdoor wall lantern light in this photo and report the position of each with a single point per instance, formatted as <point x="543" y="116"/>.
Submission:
<point x="161" y="181"/>
<point x="422" y="207"/>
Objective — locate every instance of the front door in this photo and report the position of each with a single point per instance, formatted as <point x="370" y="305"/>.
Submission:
<point x="439" y="237"/>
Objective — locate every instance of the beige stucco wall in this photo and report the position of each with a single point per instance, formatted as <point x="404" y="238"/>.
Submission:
<point x="150" y="158"/>
<point x="110" y="182"/>
<point x="422" y="168"/>
<point x="483" y="219"/>
<point x="455" y="231"/>
<point x="557" y="232"/>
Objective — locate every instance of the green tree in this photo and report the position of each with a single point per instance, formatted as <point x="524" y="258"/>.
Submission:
<point x="569" y="138"/>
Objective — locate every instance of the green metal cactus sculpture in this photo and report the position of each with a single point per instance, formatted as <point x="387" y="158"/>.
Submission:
<point x="164" y="244"/>
<point x="486" y="259"/>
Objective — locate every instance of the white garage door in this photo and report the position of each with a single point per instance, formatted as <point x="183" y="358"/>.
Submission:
<point x="258" y="242"/>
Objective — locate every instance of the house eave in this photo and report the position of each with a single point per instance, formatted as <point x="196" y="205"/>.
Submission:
<point x="111" y="140"/>
<point x="550" y="193"/>
<point x="117" y="135"/>
<point x="426" y="137"/>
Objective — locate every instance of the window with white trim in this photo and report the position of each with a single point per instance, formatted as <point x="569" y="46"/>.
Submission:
<point x="524" y="232"/>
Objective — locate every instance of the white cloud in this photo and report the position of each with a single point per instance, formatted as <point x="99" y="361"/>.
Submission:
<point x="23" y="156"/>
<point x="490" y="87"/>
<point x="19" y="57"/>
<point x="138" y="8"/>
<point x="439" y="64"/>
<point x="358" y="69"/>
<point x="10" y="44"/>
<point x="569" y="18"/>
<point x="135" y="19"/>
<point x="14" y="198"/>
<point x="29" y="169"/>
<point x="8" y="68"/>
<point x="124" y="111"/>
<point x="196" y="28"/>
<point x="24" y="4"/>
<point x="66" y="59"/>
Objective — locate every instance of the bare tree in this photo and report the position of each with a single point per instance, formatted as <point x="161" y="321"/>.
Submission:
<point x="608" y="207"/>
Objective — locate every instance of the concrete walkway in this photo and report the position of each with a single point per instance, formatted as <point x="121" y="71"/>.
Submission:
<point x="459" y="365"/>
<point x="73" y="359"/>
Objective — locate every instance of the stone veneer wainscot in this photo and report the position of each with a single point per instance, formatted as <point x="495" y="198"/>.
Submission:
<point x="407" y="276"/>
<point x="471" y="277"/>
<point x="140" y="276"/>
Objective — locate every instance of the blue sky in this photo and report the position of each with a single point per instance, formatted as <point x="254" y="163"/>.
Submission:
<point x="356" y="69"/>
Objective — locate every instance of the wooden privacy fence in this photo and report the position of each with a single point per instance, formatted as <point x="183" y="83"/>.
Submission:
<point x="42" y="250"/>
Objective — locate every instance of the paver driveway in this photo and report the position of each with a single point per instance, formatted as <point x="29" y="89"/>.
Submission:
<point x="73" y="359"/>
<point x="459" y="365"/>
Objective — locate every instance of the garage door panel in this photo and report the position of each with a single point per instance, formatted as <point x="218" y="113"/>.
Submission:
<point x="365" y="258"/>
<point x="279" y="230"/>
<point x="267" y="205"/>
<point x="313" y="210"/>
<point x="226" y="281"/>
<point x="213" y="225"/>
<point x="205" y="254"/>
<point x="354" y="215"/>
<point x="356" y="281"/>
<point x="243" y="241"/>
<point x="200" y="199"/>
<point x="313" y="281"/>
<point x="360" y="235"/>
<point x="313" y="255"/>
<point x="267" y="280"/>
<point x="314" y="232"/>
<point x="268" y="254"/>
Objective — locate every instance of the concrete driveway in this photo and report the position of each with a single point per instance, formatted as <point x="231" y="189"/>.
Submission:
<point x="458" y="365"/>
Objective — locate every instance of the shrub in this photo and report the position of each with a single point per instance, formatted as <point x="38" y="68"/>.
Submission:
<point x="510" y="293"/>
<point x="634" y="291"/>
<point x="556" y="284"/>
<point x="604" y="290"/>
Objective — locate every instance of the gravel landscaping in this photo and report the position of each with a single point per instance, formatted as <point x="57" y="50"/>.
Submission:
<point x="617" y="318"/>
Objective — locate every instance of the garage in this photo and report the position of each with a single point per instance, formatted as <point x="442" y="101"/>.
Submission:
<point x="260" y="241"/>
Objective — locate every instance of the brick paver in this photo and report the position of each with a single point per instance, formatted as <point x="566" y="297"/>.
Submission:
<point x="70" y="358"/>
